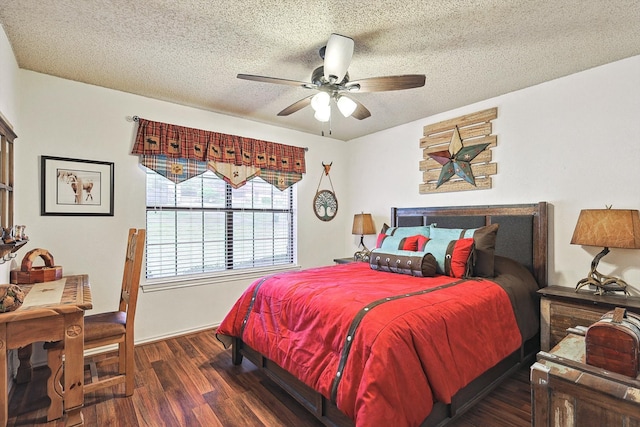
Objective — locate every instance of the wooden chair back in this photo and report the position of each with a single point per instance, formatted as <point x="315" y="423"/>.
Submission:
<point x="131" y="274"/>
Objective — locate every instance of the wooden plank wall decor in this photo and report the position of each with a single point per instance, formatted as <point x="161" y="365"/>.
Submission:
<point x="474" y="129"/>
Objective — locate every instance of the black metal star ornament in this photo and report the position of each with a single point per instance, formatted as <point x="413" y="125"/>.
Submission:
<point x="457" y="159"/>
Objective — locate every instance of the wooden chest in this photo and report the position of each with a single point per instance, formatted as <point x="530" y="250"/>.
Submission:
<point x="566" y="392"/>
<point x="613" y="342"/>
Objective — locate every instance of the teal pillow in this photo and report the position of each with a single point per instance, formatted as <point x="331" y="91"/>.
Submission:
<point x="391" y="243"/>
<point x="453" y="257"/>
<point x="408" y="231"/>
<point x="485" y="245"/>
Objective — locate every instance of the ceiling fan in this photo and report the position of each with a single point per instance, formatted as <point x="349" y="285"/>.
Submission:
<point x="331" y="80"/>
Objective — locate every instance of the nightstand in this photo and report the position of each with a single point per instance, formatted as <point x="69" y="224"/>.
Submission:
<point x="562" y="307"/>
<point x="344" y="260"/>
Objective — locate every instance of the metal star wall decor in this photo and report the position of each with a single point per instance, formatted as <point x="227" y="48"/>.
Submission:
<point x="457" y="153"/>
<point x="457" y="159"/>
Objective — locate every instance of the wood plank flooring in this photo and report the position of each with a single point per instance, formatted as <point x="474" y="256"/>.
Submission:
<point x="190" y="381"/>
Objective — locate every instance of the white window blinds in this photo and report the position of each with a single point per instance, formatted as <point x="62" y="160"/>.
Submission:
<point x="204" y="226"/>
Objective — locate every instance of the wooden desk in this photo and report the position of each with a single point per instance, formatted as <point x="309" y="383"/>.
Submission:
<point x="42" y="320"/>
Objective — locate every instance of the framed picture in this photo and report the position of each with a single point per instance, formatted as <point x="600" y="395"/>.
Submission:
<point x="76" y="187"/>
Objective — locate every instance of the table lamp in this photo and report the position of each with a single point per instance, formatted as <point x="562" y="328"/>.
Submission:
<point x="362" y="224"/>
<point x="611" y="228"/>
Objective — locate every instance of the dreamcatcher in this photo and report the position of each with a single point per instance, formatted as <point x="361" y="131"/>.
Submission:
<point x="325" y="204"/>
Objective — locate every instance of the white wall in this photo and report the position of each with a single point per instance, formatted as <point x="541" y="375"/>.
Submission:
<point x="8" y="103"/>
<point x="69" y="119"/>
<point x="573" y="142"/>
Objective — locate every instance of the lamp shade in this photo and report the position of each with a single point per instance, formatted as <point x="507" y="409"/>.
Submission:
<point x="609" y="228"/>
<point x="363" y="224"/>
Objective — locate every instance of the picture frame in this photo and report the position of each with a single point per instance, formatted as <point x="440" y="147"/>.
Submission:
<point x="76" y="187"/>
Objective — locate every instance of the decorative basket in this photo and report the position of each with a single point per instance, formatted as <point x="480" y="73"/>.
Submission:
<point x="11" y="297"/>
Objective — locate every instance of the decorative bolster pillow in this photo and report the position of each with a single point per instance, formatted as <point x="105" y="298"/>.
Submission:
<point x="417" y="264"/>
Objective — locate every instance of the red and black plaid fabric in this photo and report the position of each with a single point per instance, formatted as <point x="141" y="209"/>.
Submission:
<point x="156" y="139"/>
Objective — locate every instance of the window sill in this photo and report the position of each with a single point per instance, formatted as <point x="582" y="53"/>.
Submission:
<point x="165" y="284"/>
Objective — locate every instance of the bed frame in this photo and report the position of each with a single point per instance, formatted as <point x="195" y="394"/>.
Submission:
<point x="522" y="235"/>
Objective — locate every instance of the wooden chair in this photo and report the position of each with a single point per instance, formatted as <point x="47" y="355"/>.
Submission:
<point x="103" y="329"/>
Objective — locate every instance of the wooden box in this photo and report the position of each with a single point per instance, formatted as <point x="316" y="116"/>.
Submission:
<point x="29" y="274"/>
<point x="36" y="275"/>
<point x="613" y="343"/>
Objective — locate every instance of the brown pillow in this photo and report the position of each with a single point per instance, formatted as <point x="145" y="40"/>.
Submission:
<point x="485" y="241"/>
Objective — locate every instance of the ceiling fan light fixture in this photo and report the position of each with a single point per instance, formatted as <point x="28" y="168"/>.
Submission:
<point x="331" y="79"/>
<point x="320" y="101"/>
<point x="337" y="57"/>
<point x="323" y="114"/>
<point x="346" y="105"/>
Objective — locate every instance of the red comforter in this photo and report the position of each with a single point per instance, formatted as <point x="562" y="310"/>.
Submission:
<point x="411" y="346"/>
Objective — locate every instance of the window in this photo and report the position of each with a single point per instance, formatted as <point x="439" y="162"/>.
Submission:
<point x="7" y="136"/>
<point x="204" y="226"/>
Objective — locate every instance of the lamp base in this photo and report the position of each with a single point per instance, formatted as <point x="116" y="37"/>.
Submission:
<point x="604" y="284"/>
<point x="362" y="255"/>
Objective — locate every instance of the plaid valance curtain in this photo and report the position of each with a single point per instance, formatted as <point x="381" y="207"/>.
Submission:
<point x="180" y="153"/>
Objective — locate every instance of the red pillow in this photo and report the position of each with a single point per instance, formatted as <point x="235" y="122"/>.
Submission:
<point x="457" y="262"/>
<point x="381" y="237"/>
<point x="422" y="242"/>
<point x="413" y="243"/>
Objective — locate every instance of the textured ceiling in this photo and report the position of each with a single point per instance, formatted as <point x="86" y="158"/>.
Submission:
<point x="189" y="51"/>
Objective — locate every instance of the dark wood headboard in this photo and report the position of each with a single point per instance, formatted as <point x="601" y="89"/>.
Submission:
<point x="523" y="232"/>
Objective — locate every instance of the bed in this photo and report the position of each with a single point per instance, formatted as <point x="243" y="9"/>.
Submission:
<point x="369" y="344"/>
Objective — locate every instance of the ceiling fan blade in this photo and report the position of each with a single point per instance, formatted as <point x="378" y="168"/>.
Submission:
<point x="361" y="111"/>
<point x="277" y="81"/>
<point x="337" y="57"/>
<point x="298" y="105"/>
<point x="381" y="84"/>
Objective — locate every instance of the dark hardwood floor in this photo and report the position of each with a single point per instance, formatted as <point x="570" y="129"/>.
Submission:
<point x="190" y="381"/>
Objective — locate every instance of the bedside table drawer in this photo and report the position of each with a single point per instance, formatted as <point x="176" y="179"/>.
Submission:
<point x="564" y="316"/>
